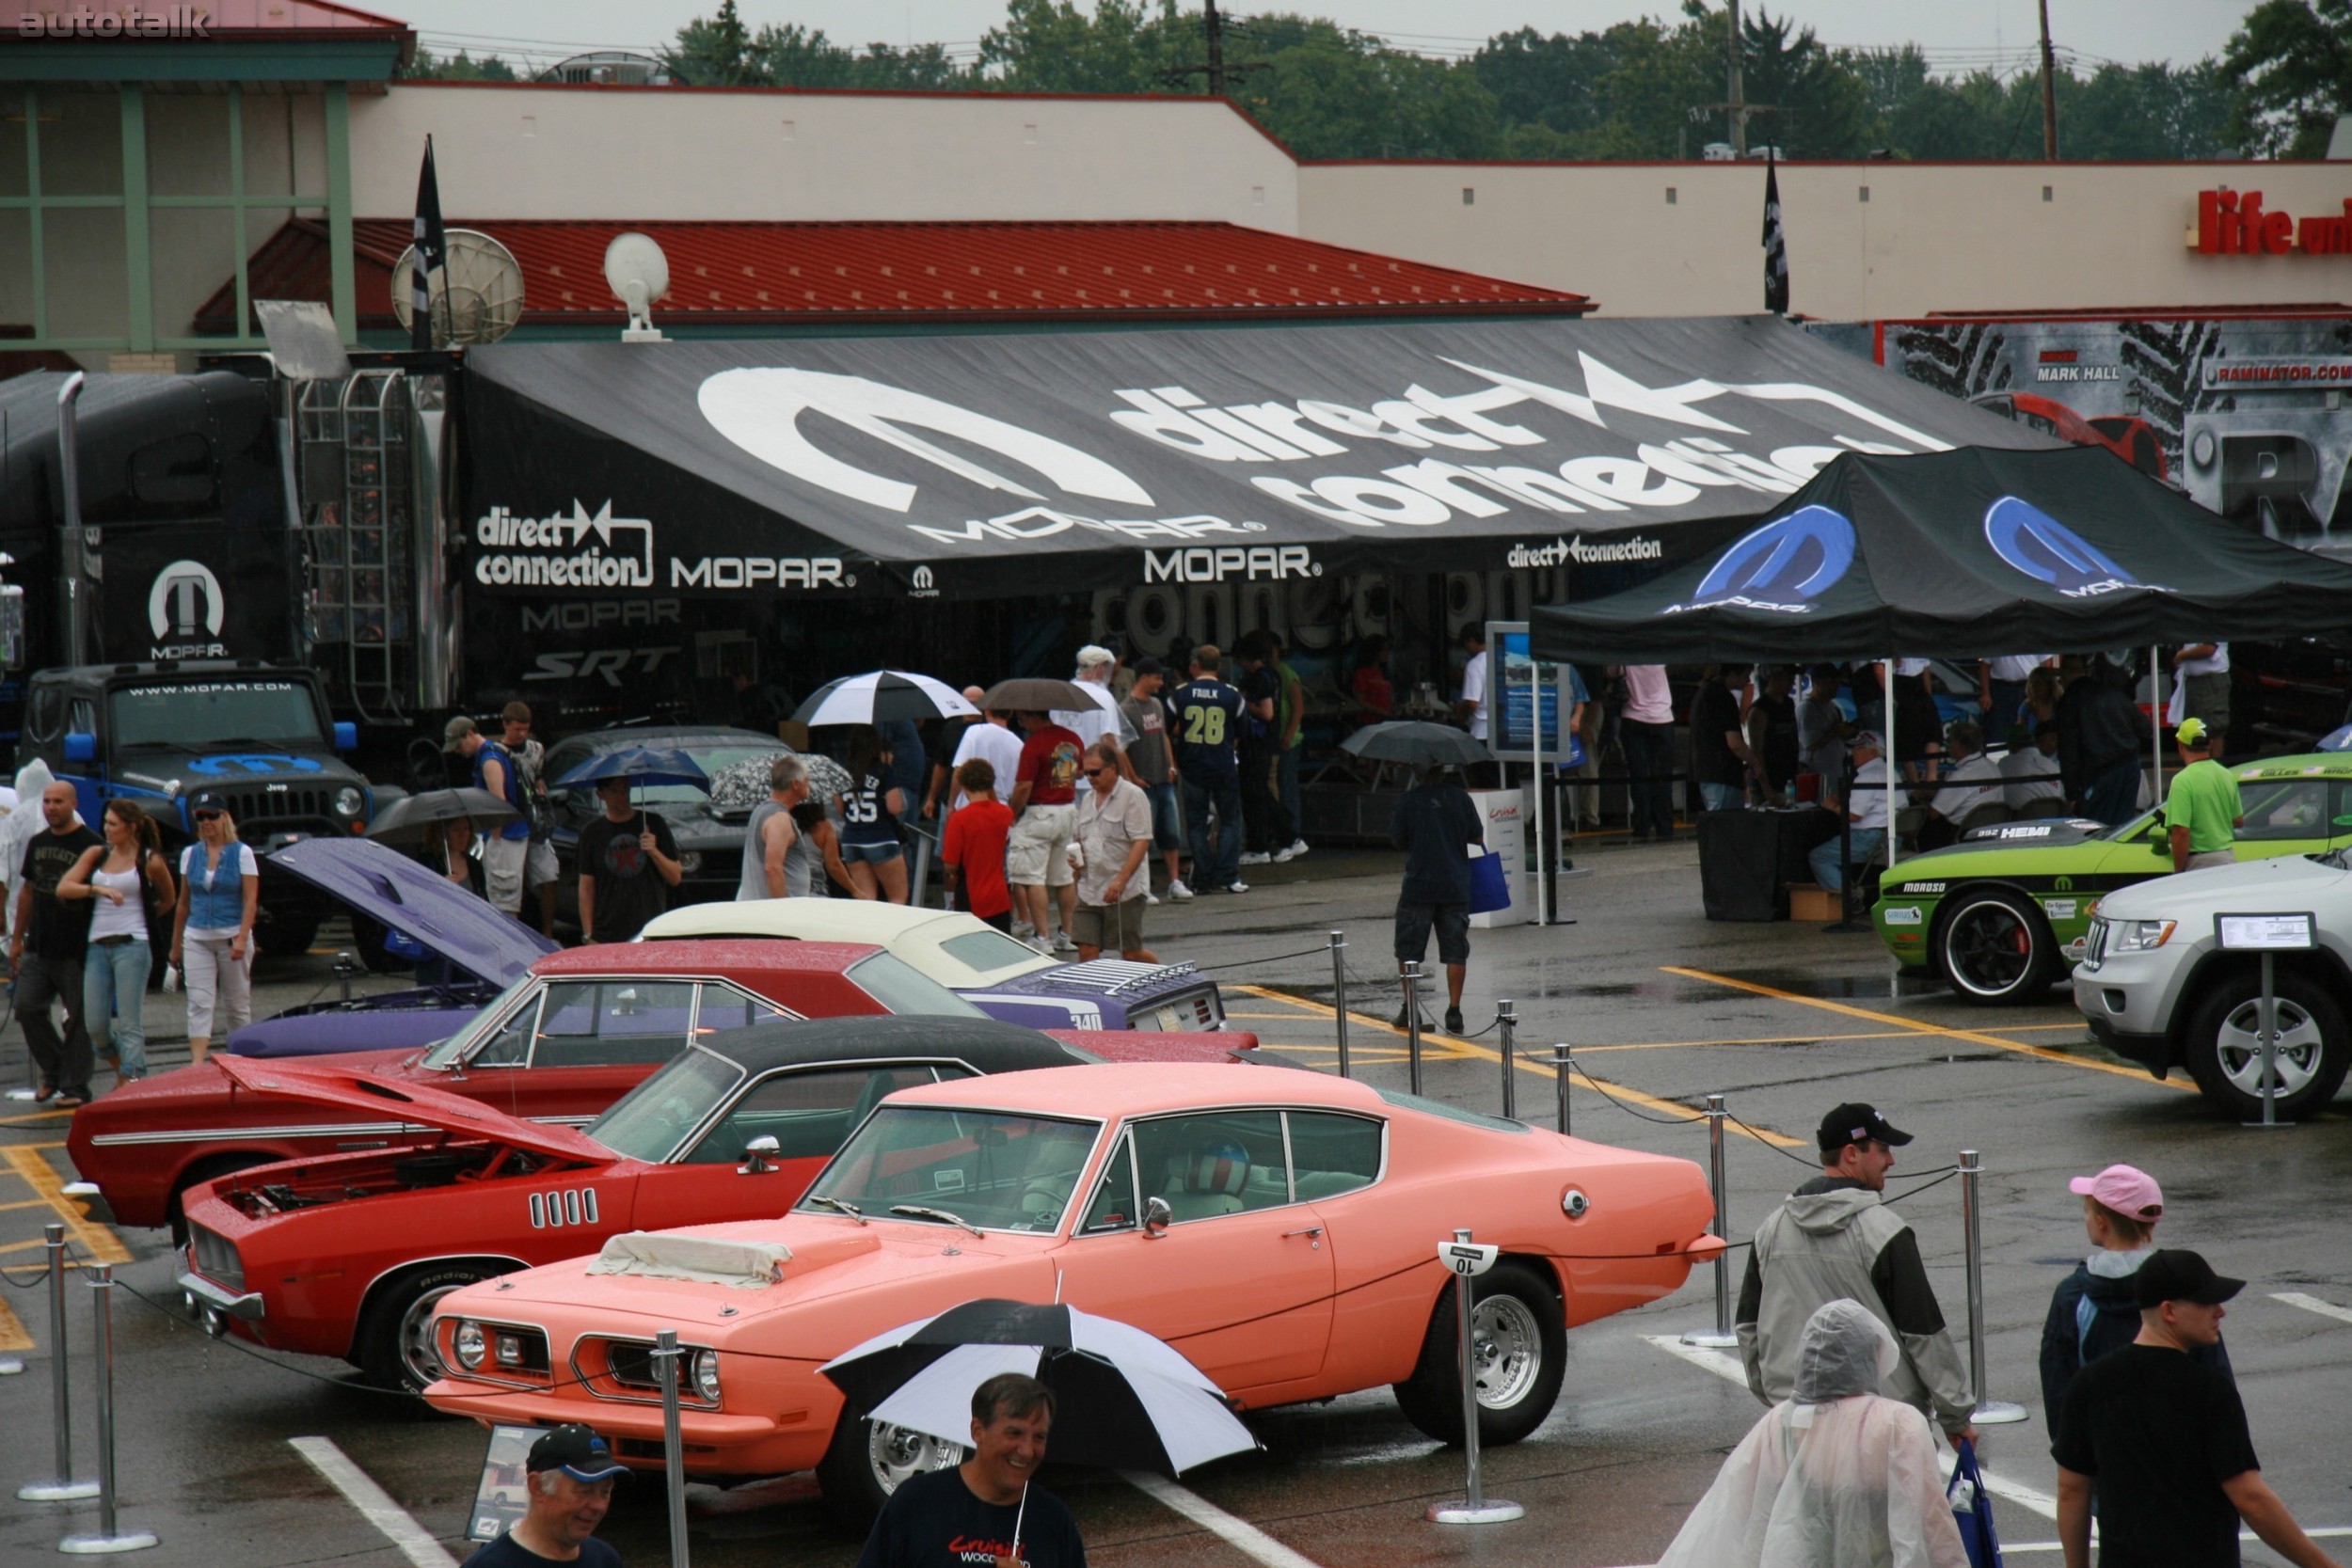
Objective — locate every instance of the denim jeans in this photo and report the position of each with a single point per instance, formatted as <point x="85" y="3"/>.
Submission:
<point x="114" y="980"/>
<point x="1829" y="870"/>
<point x="1725" y="797"/>
<point x="1215" y="860"/>
<point x="1293" y="800"/>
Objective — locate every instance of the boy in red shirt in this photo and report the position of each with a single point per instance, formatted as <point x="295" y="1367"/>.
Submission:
<point x="973" y="848"/>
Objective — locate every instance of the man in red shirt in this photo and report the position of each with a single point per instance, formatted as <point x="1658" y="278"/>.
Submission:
<point x="974" y="848"/>
<point x="1044" y="797"/>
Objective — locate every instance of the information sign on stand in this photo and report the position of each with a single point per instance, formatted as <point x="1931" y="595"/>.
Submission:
<point x="2268" y="935"/>
<point x="503" y="1496"/>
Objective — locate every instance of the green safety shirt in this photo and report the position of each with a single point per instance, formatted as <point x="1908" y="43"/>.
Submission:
<point x="2205" y="799"/>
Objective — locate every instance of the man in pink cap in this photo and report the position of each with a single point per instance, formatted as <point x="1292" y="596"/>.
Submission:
<point x="2096" y="1310"/>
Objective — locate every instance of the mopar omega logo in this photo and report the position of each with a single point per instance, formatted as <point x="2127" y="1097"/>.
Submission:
<point x="1782" y="566"/>
<point x="2045" y="549"/>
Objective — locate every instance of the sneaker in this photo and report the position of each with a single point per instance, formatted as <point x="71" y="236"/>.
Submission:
<point x="1178" y="892"/>
<point x="1299" y="846"/>
<point x="1235" y="886"/>
<point x="1256" y="857"/>
<point x="1288" y="853"/>
<point x="1150" y="897"/>
<point x="1403" y="1020"/>
<point x="1062" y="942"/>
<point x="1023" y="931"/>
<point x="1454" y="1019"/>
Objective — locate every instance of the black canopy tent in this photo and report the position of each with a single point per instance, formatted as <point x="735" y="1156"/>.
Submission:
<point x="1002" y="465"/>
<point x="1973" y="552"/>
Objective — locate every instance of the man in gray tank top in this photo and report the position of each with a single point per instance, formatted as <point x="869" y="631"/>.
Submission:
<point x="776" y="865"/>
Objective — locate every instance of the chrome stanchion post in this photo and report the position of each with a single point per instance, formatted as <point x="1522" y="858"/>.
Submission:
<point x="1468" y="1260"/>
<point x="64" y="1488"/>
<point x="665" y="1357"/>
<point x="1412" y="1019"/>
<point x="347" y="968"/>
<point x="1339" y="993"/>
<point x="1720" y="1337"/>
<point x="1561" y="1061"/>
<point x="110" y="1538"/>
<point x="1987" y="1412"/>
<point x="1506" y="1023"/>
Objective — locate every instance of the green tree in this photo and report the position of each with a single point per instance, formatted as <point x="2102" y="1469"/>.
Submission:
<point x="1554" y="81"/>
<point x="1055" y="46"/>
<point x="2292" y="59"/>
<point x="1824" y="106"/>
<point x="460" y="67"/>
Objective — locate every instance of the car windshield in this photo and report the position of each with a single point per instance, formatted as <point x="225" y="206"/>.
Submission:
<point x="987" y="950"/>
<point x="455" y="1048"/>
<point x="2129" y="830"/>
<point x="904" y="990"/>
<point x="992" y="1170"/>
<point x="211" y="714"/>
<point x="650" y="1122"/>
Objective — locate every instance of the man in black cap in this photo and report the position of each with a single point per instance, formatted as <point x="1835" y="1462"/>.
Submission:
<point x="1834" y="1237"/>
<point x="2165" y="1439"/>
<point x="572" y="1473"/>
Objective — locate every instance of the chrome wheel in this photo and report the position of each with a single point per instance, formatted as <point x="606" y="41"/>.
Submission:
<point x="419" y="1360"/>
<point x="1506" y="1350"/>
<point x="899" y="1455"/>
<point x="2238" y="1044"/>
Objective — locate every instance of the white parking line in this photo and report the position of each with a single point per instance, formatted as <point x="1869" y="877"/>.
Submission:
<point x="1728" y="1367"/>
<point x="2312" y="1304"/>
<point x="373" y="1503"/>
<point x="1240" y="1534"/>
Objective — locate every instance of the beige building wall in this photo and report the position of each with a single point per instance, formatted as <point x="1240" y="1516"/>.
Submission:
<point x="1684" y="238"/>
<point x="629" y="153"/>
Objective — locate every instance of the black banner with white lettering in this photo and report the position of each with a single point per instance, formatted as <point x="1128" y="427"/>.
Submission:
<point x="1015" y="465"/>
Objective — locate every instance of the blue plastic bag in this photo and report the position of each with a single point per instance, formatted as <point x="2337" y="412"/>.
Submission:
<point x="1975" y="1518"/>
<point x="1490" y="887"/>
<point x="400" y="944"/>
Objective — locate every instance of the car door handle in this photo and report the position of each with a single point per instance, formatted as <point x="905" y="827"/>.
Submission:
<point x="1315" y="1233"/>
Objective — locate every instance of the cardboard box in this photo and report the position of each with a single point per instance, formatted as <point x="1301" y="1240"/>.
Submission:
<point x="1811" y="901"/>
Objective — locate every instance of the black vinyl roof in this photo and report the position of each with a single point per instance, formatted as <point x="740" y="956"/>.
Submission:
<point x="986" y="1045"/>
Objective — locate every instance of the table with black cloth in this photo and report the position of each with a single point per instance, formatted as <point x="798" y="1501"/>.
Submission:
<point x="1747" y="859"/>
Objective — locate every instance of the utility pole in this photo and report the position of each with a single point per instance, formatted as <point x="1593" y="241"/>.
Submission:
<point x="1216" y="75"/>
<point x="1734" y="102"/>
<point x="1216" y="49"/>
<point x="2049" y="89"/>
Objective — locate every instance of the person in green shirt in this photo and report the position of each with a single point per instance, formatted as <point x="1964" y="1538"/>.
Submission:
<point x="2203" y="811"/>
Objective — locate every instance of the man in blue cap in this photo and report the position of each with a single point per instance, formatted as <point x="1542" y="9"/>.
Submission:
<point x="572" y="1473"/>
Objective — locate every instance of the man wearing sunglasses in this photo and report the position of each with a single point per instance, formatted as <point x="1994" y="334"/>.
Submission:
<point x="1835" y="1236"/>
<point x="1112" y="836"/>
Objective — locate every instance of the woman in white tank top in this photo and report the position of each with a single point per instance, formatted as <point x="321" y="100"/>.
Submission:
<point x="114" y="978"/>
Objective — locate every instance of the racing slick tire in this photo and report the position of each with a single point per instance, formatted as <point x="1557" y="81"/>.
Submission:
<point x="1518" y="1340"/>
<point x="391" y="1346"/>
<point x="867" y="1461"/>
<point x="1992" y="946"/>
<point x="2223" y="1046"/>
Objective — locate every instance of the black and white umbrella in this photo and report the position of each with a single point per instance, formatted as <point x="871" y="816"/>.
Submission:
<point x="1123" y="1399"/>
<point x="881" y="695"/>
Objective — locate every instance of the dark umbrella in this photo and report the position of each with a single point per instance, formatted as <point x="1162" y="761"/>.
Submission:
<point x="408" y="817"/>
<point x="1124" y="1399"/>
<point x="1036" y="694"/>
<point x="639" y="765"/>
<point x="880" y="696"/>
<point x="1417" y="743"/>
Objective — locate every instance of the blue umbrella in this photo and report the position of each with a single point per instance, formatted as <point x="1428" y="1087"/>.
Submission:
<point x="638" y="765"/>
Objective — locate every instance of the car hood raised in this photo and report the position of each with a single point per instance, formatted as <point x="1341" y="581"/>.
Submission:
<point x="2289" y="884"/>
<point x="348" y="1089"/>
<point x="392" y="890"/>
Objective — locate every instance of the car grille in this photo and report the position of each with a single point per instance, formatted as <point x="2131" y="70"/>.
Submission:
<point x="260" y="810"/>
<point x="2095" y="941"/>
<point x="624" y="1370"/>
<point x="215" y="1256"/>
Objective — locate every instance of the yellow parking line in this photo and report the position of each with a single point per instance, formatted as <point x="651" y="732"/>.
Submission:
<point x="12" y="1331"/>
<point x="28" y="1203"/>
<point x="99" y="1242"/>
<point x="1972" y="1036"/>
<point x="35" y="1115"/>
<point x="1466" y="1048"/>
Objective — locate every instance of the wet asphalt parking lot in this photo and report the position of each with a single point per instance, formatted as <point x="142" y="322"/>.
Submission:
<point x="1663" y="1008"/>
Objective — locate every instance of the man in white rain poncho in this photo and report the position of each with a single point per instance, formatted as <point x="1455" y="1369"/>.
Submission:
<point x="1836" y="1476"/>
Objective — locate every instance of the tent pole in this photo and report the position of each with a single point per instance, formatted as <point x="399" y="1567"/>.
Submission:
<point x="1535" y="720"/>
<point x="1886" y="688"/>
<point x="2155" y="716"/>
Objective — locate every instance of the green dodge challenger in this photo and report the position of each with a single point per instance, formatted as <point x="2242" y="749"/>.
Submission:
<point x="2002" y="913"/>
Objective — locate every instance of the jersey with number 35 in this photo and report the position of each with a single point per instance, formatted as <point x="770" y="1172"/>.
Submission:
<point x="1208" y="721"/>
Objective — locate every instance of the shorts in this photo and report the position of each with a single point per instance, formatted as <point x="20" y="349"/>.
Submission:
<point x="873" y="855"/>
<point x="1113" y="927"/>
<point x="1414" y="923"/>
<point x="539" y="867"/>
<point x="1167" y="819"/>
<point x="502" y="872"/>
<point x="1038" y="853"/>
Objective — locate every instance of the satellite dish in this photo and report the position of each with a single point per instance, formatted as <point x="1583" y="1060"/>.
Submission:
<point x="640" y="275"/>
<point x="610" y="68"/>
<point x="479" y="297"/>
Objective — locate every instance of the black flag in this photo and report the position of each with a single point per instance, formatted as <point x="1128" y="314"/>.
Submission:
<point x="432" y="253"/>
<point x="1776" y="247"/>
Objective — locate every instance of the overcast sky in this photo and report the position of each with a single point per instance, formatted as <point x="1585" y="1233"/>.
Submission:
<point x="1958" y="35"/>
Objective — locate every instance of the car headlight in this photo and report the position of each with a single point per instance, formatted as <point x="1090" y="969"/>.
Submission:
<point x="2138" y="936"/>
<point x="706" y="1374"/>
<point x="690" y="861"/>
<point x="348" y="801"/>
<point x="471" y="1344"/>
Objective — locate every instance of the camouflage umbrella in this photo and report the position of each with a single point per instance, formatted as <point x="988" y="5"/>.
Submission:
<point x="744" y="784"/>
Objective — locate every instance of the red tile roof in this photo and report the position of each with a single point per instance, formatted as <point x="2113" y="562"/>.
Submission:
<point x="801" y="273"/>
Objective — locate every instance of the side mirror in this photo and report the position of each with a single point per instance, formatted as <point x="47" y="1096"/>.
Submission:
<point x="1157" y="1215"/>
<point x="757" y="1155"/>
<point x="346" y="736"/>
<point x="81" y="748"/>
